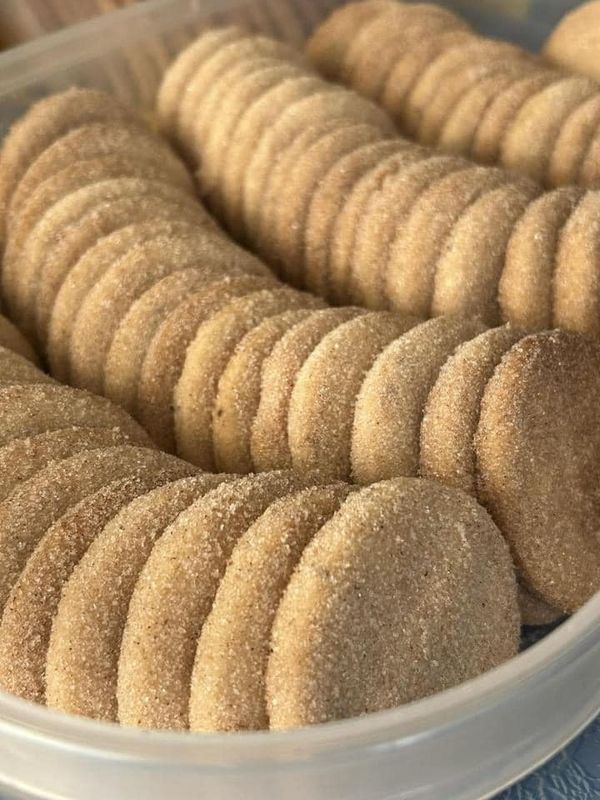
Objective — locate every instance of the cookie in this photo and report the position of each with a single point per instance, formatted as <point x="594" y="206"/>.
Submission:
<point x="537" y="451"/>
<point x="228" y="680"/>
<point x="17" y="369"/>
<point x="206" y="359"/>
<point x="321" y="409"/>
<point x="239" y="390"/>
<point x="574" y="43"/>
<point x="85" y="642"/>
<point x="573" y="144"/>
<point x="174" y="595"/>
<point x="391" y="401"/>
<point x="438" y="573"/>
<point x="12" y="338"/>
<point x="526" y="286"/>
<point x="269" y="437"/>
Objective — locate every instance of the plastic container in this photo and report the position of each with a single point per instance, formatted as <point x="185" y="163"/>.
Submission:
<point x="463" y="744"/>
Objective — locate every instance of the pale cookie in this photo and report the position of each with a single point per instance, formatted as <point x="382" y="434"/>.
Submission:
<point x="33" y="601"/>
<point x="29" y="410"/>
<point x="391" y="401"/>
<point x="228" y="691"/>
<point x="500" y="115"/>
<point x="22" y="458"/>
<point x="573" y="143"/>
<point x="528" y="143"/>
<point x="174" y="595"/>
<point x="269" y="438"/>
<point x="420" y="240"/>
<point x="469" y="270"/>
<point x="438" y="573"/>
<point x="142" y="267"/>
<point x="206" y="359"/>
<point x="526" y="289"/>
<point x="239" y="389"/>
<point x="12" y="338"/>
<point x="576" y="276"/>
<point x="85" y="642"/>
<point x="37" y="503"/>
<point x="537" y="450"/>
<point x="17" y="369"/>
<point x="384" y="215"/>
<point x="574" y="43"/>
<point x="323" y="400"/>
<point x="165" y="356"/>
<point x="182" y="70"/>
<point x="88" y="270"/>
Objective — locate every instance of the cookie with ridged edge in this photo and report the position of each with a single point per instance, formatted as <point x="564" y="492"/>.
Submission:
<point x="468" y="273"/>
<point x="573" y="143"/>
<point x="228" y="681"/>
<point x="37" y="503"/>
<point x="206" y="359"/>
<point x="33" y="601"/>
<point x="322" y="405"/>
<point x="174" y="595"/>
<point x="420" y="240"/>
<point x="392" y="398"/>
<point x="526" y="293"/>
<point x="269" y="438"/>
<point x="537" y="448"/>
<point x="438" y="572"/>
<point x="37" y="408"/>
<point x="85" y="642"/>
<point x="239" y="390"/>
<point x="165" y="356"/>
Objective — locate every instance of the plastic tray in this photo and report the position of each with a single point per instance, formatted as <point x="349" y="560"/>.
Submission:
<point x="463" y="744"/>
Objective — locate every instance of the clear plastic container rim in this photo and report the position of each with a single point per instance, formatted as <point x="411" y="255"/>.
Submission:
<point x="393" y="728"/>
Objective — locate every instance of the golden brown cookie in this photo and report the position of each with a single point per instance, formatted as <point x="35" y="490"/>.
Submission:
<point x="174" y="595"/>
<point x="537" y="455"/>
<point x="526" y="289"/>
<point x="228" y="680"/>
<point x="321" y="410"/>
<point x="17" y="369"/>
<point x="438" y="572"/>
<point x="574" y="43"/>
<point x="12" y="338"/>
<point x="573" y="143"/>
<point x="391" y="401"/>
<point x="84" y="647"/>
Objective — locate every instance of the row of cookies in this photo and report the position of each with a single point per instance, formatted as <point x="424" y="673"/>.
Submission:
<point x="309" y="177"/>
<point x="447" y="86"/>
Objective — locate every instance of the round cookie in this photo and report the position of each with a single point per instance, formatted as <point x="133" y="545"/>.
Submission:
<point x="322" y="405"/>
<point x="383" y="218"/>
<point x="174" y="595"/>
<point x="589" y="173"/>
<point x="573" y="144"/>
<point x="46" y="121"/>
<point x="206" y="359"/>
<point x="447" y="448"/>
<point x="88" y="270"/>
<point x="33" y="601"/>
<point x="420" y="239"/>
<point x="239" y="390"/>
<point x="20" y="459"/>
<point x="85" y="642"/>
<point x="182" y="70"/>
<point x="576" y="289"/>
<point x="12" y="338"/>
<point x="165" y="356"/>
<point x="391" y="401"/>
<point x="38" y="502"/>
<point x="502" y="112"/>
<point x="37" y="408"/>
<point x="528" y="142"/>
<point x="574" y="42"/>
<point x="468" y="273"/>
<point x="228" y="680"/>
<point x="123" y="283"/>
<point x="269" y="437"/>
<point x="537" y="459"/>
<point x="438" y="572"/>
<point x="526" y="285"/>
<point x="17" y="369"/>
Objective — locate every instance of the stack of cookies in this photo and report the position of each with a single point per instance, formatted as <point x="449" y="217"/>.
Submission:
<point x="447" y="86"/>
